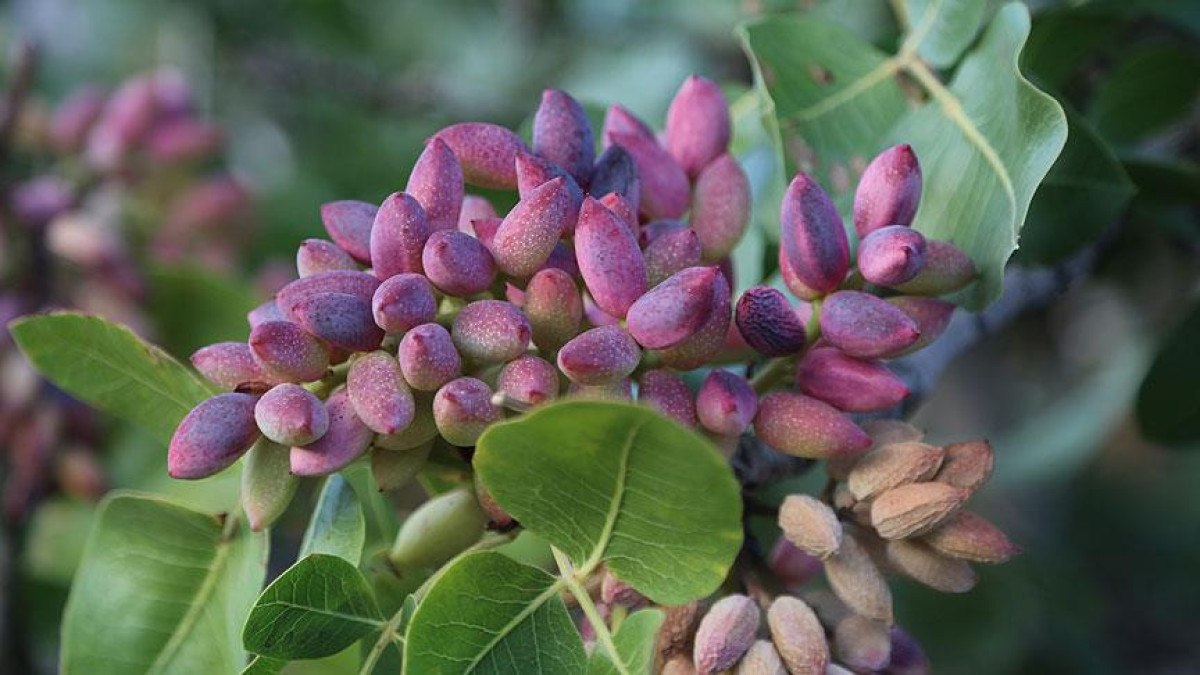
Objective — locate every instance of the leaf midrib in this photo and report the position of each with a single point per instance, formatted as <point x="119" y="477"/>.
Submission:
<point x="192" y="617"/>
<point x="374" y="623"/>
<point x="614" y="508"/>
<point x="908" y="61"/>
<point x="532" y="607"/>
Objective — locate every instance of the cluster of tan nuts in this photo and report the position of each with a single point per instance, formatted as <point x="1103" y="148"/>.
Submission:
<point x="895" y="510"/>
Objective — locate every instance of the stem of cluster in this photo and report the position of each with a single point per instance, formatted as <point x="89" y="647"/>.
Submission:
<point x="777" y="369"/>
<point x="335" y="376"/>
<point x="230" y="526"/>
<point x="386" y="637"/>
<point x="772" y="373"/>
<point x="502" y="400"/>
<point x="603" y="636"/>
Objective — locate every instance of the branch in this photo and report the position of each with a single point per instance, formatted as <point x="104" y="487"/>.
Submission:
<point x="1026" y="289"/>
<point x="24" y="63"/>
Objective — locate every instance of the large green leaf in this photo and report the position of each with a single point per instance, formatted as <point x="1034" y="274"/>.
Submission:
<point x="635" y="641"/>
<point x="161" y="589"/>
<point x="318" y="607"/>
<point x="617" y="483"/>
<point x="943" y="29"/>
<point x="985" y="140"/>
<point x="106" y="365"/>
<point x="337" y="526"/>
<point x="1168" y="405"/>
<point x="489" y="615"/>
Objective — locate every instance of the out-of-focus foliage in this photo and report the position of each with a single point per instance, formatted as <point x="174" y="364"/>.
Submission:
<point x="332" y="100"/>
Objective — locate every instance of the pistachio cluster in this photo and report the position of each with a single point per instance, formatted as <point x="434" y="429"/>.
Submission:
<point x="104" y="185"/>
<point x="425" y="319"/>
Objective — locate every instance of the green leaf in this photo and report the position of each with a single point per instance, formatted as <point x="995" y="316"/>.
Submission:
<point x="945" y="28"/>
<point x="985" y="141"/>
<point x="337" y="526"/>
<point x="1151" y="89"/>
<point x="617" y="483"/>
<point x="194" y="307"/>
<point x="872" y="21"/>
<point x="635" y="645"/>
<point x="264" y="665"/>
<point x="318" y="607"/>
<point x="1086" y="190"/>
<point x="106" y="365"/>
<point x="487" y="614"/>
<point x="161" y="589"/>
<point x="754" y="148"/>
<point x="1168" y="404"/>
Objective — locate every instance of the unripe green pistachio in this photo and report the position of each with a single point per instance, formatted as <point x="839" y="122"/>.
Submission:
<point x="267" y="484"/>
<point x="438" y="530"/>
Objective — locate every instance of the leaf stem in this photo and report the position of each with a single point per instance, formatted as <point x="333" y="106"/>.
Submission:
<point x="772" y="373"/>
<point x="385" y="638"/>
<point x="777" y="369"/>
<point x="603" y="636"/>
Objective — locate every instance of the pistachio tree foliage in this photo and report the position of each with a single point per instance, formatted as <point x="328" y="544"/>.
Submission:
<point x="569" y="379"/>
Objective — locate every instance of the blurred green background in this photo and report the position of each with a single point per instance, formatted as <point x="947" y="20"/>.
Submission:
<point x="327" y="100"/>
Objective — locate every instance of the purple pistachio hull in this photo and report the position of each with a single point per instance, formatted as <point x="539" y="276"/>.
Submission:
<point x="491" y="331"/>
<point x="599" y="356"/>
<point x="403" y="302"/>
<point x="436" y="182"/>
<point x="457" y="263"/>
<point x="563" y="135"/>
<point x="676" y="309"/>
<point x="892" y="255"/>
<point x="667" y="393"/>
<point x="720" y="207"/>
<point x="770" y="324"/>
<point x="212" y="436"/>
<point x="866" y="326"/>
<point x="398" y="236"/>
<point x="698" y="125"/>
<point x="528" y="234"/>
<point x="486" y="152"/>
<point x="349" y="223"/>
<point x="379" y="394"/>
<point x="847" y="383"/>
<point x="462" y="409"/>
<point x="340" y="319"/>
<point x="609" y="259"/>
<point x="889" y="191"/>
<point x="289" y="414"/>
<point x="554" y="308"/>
<point x="286" y="353"/>
<point x="228" y="364"/>
<point x="346" y="440"/>
<point x="428" y="358"/>
<point x="812" y="238"/>
<point x="726" y="403"/>
<point x="805" y="427"/>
